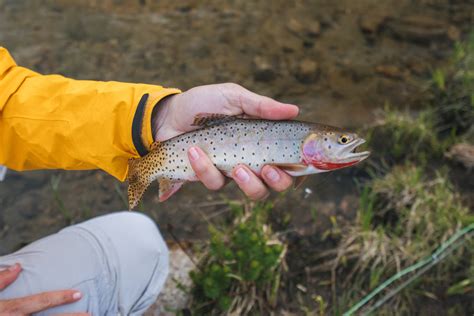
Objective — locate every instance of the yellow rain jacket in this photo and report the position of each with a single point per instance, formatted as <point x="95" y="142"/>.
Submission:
<point x="53" y="122"/>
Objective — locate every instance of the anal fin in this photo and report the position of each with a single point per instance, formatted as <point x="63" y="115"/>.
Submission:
<point x="168" y="188"/>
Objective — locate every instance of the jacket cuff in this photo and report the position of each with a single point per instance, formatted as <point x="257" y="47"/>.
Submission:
<point x="142" y="134"/>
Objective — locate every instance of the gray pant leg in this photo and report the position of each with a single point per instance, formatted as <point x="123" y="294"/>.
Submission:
<point x="118" y="261"/>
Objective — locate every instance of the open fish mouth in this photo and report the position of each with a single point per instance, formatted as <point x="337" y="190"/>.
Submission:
<point x="351" y="152"/>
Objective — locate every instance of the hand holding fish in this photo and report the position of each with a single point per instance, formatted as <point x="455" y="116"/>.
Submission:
<point x="176" y="114"/>
<point x="199" y="137"/>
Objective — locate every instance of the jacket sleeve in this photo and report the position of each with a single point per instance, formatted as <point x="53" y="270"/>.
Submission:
<point x="53" y="122"/>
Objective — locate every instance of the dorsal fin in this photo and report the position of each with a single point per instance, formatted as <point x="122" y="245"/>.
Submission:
<point x="209" y="119"/>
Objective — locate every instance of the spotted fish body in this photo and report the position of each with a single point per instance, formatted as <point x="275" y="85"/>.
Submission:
<point x="290" y="145"/>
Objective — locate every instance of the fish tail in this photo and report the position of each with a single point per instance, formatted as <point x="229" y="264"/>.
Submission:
<point x="138" y="182"/>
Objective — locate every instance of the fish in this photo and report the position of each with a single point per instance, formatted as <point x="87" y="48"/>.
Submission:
<point x="299" y="148"/>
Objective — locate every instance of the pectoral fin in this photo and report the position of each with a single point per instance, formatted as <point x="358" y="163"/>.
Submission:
<point x="168" y="188"/>
<point x="294" y="169"/>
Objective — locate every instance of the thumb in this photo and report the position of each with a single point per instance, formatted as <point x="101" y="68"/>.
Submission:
<point x="264" y="107"/>
<point x="9" y="275"/>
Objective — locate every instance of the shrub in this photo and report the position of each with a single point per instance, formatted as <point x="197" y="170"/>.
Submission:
<point x="241" y="271"/>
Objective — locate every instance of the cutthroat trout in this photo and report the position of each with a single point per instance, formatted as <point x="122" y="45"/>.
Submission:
<point x="299" y="148"/>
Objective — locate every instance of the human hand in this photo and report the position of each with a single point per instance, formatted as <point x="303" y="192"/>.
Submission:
<point x="175" y="115"/>
<point x="34" y="303"/>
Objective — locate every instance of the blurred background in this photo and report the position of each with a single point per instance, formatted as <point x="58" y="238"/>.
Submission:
<point x="382" y="68"/>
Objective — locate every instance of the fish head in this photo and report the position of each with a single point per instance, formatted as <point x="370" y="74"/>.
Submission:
<point x="332" y="149"/>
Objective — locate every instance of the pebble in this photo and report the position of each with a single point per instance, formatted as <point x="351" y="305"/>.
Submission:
<point x="422" y="29"/>
<point x="370" y="24"/>
<point x="311" y="29"/>
<point x="462" y="153"/>
<point x="307" y="71"/>
<point x="390" y="71"/>
<point x="264" y="71"/>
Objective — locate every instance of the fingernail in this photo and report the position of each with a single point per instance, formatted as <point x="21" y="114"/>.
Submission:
<point x="271" y="174"/>
<point x="14" y="267"/>
<point x="77" y="295"/>
<point x="193" y="154"/>
<point x="242" y="175"/>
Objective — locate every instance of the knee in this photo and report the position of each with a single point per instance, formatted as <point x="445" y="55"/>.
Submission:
<point x="132" y="234"/>
<point x="140" y="231"/>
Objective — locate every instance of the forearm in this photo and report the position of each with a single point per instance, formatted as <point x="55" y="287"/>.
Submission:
<point x="52" y="122"/>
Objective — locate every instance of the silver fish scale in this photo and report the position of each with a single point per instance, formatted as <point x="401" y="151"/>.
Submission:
<point x="251" y="142"/>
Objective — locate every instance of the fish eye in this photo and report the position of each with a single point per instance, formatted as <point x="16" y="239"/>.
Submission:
<point x="344" y="139"/>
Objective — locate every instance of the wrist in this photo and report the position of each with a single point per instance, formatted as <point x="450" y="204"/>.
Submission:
<point x="159" y="114"/>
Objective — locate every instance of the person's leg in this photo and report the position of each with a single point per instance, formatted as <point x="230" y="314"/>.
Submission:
<point x="118" y="261"/>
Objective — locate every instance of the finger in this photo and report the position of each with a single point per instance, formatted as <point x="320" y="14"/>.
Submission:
<point x="40" y="302"/>
<point x="265" y="107"/>
<point x="205" y="170"/>
<point x="9" y="275"/>
<point x="276" y="179"/>
<point x="248" y="182"/>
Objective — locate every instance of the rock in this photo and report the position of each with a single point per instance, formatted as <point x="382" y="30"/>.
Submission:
<point x="311" y="29"/>
<point x="307" y="71"/>
<point x="422" y="29"/>
<point x="462" y="153"/>
<point x="390" y="71"/>
<point x="453" y="33"/>
<point x="295" y="26"/>
<point x="172" y="297"/>
<point x="370" y="24"/>
<point x="264" y="71"/>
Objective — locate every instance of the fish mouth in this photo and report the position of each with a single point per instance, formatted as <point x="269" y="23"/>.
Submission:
<point x="351" y="152"/>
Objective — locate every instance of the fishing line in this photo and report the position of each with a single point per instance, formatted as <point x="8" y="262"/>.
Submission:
<point x="420" y="267"/>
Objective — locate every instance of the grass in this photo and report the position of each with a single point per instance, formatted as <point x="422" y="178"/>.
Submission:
<point x="402" y="218"/>
<point x="398" y="137"/>
<point x="65" y="212"/>
<point x="240" y="274"/>
<point x="452" y="92"/>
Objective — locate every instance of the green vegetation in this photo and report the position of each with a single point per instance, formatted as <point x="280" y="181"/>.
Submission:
<point x="400" y="137"/>
<point x="452" y="92"/>
<point x="408" y="207"/>
<point x="411" y="207"/>
<point x="408" y="210"/>
<point x="65" y="212"/>
<point x="402" y="218"/>
<point x="241" y="271"/>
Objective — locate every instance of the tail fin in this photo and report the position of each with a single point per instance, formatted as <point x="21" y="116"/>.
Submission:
<point x="137" y="183"/>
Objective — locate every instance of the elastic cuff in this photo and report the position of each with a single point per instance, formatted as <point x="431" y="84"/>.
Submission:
<point x="142" y="135"/>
